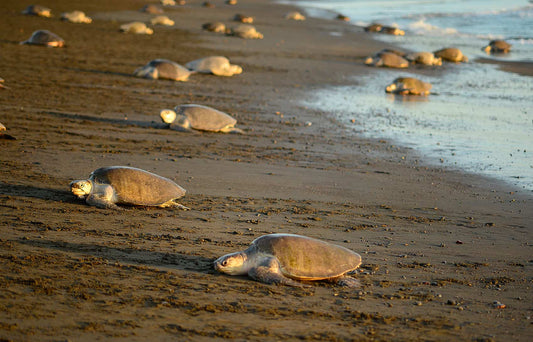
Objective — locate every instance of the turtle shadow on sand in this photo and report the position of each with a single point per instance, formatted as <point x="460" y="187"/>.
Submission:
<point x="47" y="194"/>
<point x="122" y="122"/>
<point x="103" y="72"/>
<point x="129" y="255"/>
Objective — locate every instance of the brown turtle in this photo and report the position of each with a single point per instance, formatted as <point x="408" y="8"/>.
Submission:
<point x="38" y="10"/>
<point x="216" y="65"/>
<point x="497" y="46"/>
<point x="392" y="30"/>
<point x="245" y="31"/>
<point x="163" y="69"/>
<point x="217" y="27"/>
<point x="424" y="58"/>
<point x="136" y="27"/>
<point x="287" y="258"/>
<point x="4" y="135"/>
<point x="202" y="118"/>
<point x="77" y="17"/>
<point x="108" y="186"/>
<point x="408" y="86"/>
<point x="46" y="38"/>
<point x="295" y="15"/>
<point x="152" y="9"/>
<point x="451" y="54"/>
<point x="387" y="59"/>
<point x="375" y="27"/>
<point x="246" y="19"/>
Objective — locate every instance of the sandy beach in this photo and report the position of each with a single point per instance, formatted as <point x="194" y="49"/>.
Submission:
<point x="439" y="247"/>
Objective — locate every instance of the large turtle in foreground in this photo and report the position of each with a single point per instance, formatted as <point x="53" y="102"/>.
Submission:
<point x="108" y="186"/>
<point x="284" y="258"/>
<point x="202" y="118"/>
<point x="408" y="86"/>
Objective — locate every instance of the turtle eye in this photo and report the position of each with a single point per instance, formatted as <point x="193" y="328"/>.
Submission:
<point x="225" y="263"/>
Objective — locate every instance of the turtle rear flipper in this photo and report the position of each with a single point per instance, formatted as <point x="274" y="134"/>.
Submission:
<point x="348" y="282"/>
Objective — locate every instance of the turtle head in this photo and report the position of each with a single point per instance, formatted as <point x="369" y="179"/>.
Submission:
<point x="233" y="264"/>
<point x="81" y="188"/>
<point x="391" y="88"/>
<point x="168" y="116"/>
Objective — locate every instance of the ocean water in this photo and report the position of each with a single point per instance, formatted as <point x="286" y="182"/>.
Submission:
<point x="478" y="119"/>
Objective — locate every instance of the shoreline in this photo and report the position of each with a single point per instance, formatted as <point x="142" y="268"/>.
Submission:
<point x="438" y="246"/>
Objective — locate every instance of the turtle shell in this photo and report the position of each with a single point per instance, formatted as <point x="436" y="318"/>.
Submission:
<point x="43" y="37"/>
<point x="205" y="118"/>
<point x="217" y="65"/>
<point x="305" y="258"/>
<point x="169" y="70"/>
<point x="450" y="54"/>
<point x="136" y="186"/>
<point x="392" y="60"/>
<point x="500" y="45"/>
<point x="413" y="85"/>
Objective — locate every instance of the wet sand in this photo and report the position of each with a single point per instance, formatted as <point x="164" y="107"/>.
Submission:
<point x="438" y="246"/>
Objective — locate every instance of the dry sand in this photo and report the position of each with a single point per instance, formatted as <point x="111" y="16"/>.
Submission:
<point x="438" y="246"/>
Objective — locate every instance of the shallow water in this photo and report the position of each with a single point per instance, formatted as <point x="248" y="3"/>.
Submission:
<point x="477" y="119"/>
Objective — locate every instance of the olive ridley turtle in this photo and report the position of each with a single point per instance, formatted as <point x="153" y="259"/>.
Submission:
<point x="202" y="118"/>
<point x="109" y="186"/>
<point x="284" y="258"/>
<point x="497" y="46"/>
<point x="408" y="86"/>
<point x="77" y="17"/>
<point x="4" y="135"/>
<point x="216" y="65"/>
<point x="38" y="10"/>
<point x="245" y="31"/>
<point x="424" y="57"/>
<point x="45" y="37"/>
<point x="387" y="59"/>
<point x="216" y="27"/>
<point x="136" y="27"/>
<point x="162" y="20"/>
<point x="451" y="54"/>
<point x="163" y="69"/>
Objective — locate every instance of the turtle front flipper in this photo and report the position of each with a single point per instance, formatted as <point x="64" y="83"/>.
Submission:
<point x="102" y="198"/>
<point x="269" y="272"/>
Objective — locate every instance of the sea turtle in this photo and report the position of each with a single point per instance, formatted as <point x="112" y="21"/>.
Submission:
<point x="163" y="69"/>
<point x="4" y="135"/>
<point x="342" y="17"/>
<point x="451" y="54"/>
<point x="152" y="9"/>
<point x="295" y="15"/>
<point x="109" y="186"/>
<point x="202" y="118"/>
<point x="245" y="31"/>
<point x="231" y="2"/>
<point x="208" y="4"/>
<point x="284" y="258"/>
<point x="38" y="10"/>
<point x="243" y="18"/>
<point x="162" y="20"/>
<point x="168" y="2"/>
<point x="216" y="65"/>
<point x="424" y="57"/>
<point x="77" y="17"/>
<point x="389" y="50"/>
<point x="392" y="30"/>
<point x="216" y="27"/>
<point x="2" y="86"/>
<point x="375" y="27"/>
<point x="497" y="46"/>
<point x="408" y="86"/>
<point x="45" y="37"/>
<point x="387" y="59"/>
<point x="136" y="27"/>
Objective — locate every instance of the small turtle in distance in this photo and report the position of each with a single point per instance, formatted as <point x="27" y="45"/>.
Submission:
<point x="38" y="10"/>
<point x="216" y="65"/>
<point x="77" y="17"/>
<point x="46" y="38"/>
<point x="451" y="54"/>
<point x="163" y="69"/>
<point x="497" y="46"/>
<point x="288" y="258"/>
